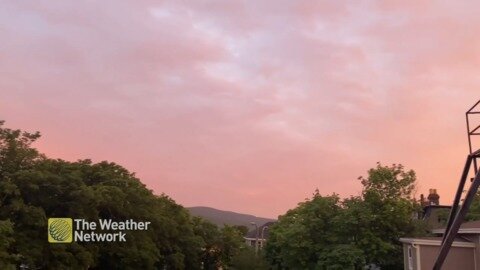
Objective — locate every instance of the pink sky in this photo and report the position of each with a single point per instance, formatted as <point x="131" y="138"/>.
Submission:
<point x="246" y="105"/>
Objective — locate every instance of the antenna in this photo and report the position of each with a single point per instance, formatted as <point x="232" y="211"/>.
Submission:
<point x="458" y="212"/>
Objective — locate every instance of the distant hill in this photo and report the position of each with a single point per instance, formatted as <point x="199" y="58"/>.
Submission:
<point x="220" y="217"/>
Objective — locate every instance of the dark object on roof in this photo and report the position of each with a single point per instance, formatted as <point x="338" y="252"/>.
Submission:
<point x="434" y="214"/>
<point x="253" y="234"/>
<point x="432" y="199"/>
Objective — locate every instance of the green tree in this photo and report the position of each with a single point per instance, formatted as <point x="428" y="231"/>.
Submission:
<point x="387" y="212"/>
<point x="7" y="259"/>
<point x="474" y="210"/>
<point x="242" y="229"/>
<point x="246" y="259"/>
<point x="209" y="233"/>
<point x="219" y="245"/>
<point x="34" y="187"/>
<point x="231" y="240"/>
<point x="329" y="233"/>
<point x="303" y="235"/>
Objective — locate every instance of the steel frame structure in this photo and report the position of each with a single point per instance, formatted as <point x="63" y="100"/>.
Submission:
<point x="458" y="212"/>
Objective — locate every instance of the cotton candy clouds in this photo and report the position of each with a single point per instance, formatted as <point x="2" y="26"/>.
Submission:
<point x="246" y="105"/>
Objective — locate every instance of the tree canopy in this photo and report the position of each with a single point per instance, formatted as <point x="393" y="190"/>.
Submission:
<point x="326" y="232"/>
<point x="34" y="187"/>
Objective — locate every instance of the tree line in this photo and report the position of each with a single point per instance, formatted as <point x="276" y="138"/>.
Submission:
<point x="323" y="232"/>
<point x="34" y="187"/>
<point x="326" y="232"/>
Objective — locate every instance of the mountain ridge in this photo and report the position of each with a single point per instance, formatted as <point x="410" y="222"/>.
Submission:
<point x="221" y="217"/>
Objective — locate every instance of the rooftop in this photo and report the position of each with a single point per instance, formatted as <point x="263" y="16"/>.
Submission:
<point x="471" y="227"/>
<point x="253" y="234"/>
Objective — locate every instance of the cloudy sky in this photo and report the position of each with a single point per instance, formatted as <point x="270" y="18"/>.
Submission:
<point x="246" y="105"/>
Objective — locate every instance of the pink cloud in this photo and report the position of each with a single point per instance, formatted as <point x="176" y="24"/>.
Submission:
<point x="241" y="105"/>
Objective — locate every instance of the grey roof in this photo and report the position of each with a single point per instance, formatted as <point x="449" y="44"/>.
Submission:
<point x="468" y="225"/>
<point x="471" y="225"/>
<point x="253" y="233"/>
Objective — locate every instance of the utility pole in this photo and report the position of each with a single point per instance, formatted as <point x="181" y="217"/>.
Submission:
<point x="263" y="232"/>
<point x="256" y="236"/>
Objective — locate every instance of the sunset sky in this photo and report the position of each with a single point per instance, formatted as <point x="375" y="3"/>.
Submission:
<point x="246" y="105"/>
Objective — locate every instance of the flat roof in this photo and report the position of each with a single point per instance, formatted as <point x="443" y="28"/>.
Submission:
<point x="437" y="241"/>
<point x="471" y="227"/>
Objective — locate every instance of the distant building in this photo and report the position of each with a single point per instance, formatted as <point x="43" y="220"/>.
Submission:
<point x="432" y="212"/>
<point x="262" y="234"/>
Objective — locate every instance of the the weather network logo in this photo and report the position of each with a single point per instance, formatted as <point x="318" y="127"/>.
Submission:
<point x="60" y="230"/>
<point x="68" y="230"/>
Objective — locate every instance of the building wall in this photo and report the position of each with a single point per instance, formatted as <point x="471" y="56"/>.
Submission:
<point x="422" y="257"/>
<point x="475" y="238"/>
<point x="251" y="242"/>
<point x="458" y="258"/>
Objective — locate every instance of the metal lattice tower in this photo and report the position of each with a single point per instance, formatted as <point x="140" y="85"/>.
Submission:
<point x="458" y="212"/>
<point x="472" y="132"/>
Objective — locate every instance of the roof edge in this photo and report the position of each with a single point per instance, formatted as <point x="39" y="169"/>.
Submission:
<point x="430" y="242"/>
<point x="462" y="231"/>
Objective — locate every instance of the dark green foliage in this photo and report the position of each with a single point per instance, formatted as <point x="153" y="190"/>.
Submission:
<point x="474" y="211"/>
<point x="242" y="229"/>
<point x="328" y="233"/>
<point x="7" y="260"/>
<point x="246" y="259"/>
<point x="304" y="232"/>
<point x="443" y="215"/>
<point x="389" y="209"/>
<point x="34" y="188"/>
<point x="219" y="245"/>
